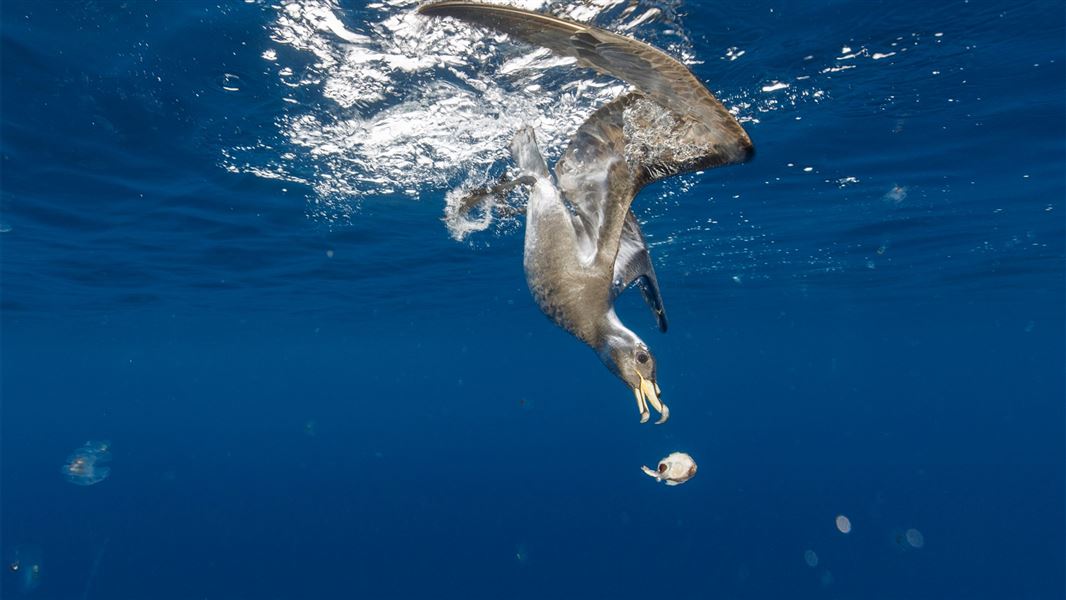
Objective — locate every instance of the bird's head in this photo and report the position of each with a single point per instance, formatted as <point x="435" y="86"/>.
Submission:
<point x="629" y="358"/>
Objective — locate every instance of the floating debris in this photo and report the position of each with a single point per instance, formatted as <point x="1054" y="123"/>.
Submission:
<point x="675" y="469"/>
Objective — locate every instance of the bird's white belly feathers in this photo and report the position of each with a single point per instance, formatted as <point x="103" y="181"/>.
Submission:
<point x="561" y="283"/>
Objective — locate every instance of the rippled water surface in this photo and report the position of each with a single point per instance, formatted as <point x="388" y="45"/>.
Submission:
<point x="230" y="247"/>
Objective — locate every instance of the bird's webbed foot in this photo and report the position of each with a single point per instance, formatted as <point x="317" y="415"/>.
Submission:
<point x="527" y="154"/>
<point x="494" y="197"/>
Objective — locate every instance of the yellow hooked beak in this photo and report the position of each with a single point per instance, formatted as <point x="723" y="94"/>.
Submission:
<point x="648" y="393"/>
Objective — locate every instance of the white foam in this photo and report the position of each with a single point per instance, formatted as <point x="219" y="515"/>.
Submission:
<point x="407" y="104"/>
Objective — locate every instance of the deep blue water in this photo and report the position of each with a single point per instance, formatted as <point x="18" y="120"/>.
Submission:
<point x="300" y="407"/>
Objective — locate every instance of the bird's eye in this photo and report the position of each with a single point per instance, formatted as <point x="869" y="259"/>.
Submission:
<point x="642" y="358"/>
<point x="662" y="467"/>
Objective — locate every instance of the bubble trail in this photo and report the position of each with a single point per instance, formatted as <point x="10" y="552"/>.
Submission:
<point x="92" y="573"/>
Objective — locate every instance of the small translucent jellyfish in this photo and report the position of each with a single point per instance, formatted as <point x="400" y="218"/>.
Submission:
<point x="915" y="538"/>
<point x="521" y="554"/>
<point x="843" y="524"/>
<point x="897" y="194"/>
<point x="85" y="466"/>
<point x="811" y="558"/>
<point x="23" y="566"/>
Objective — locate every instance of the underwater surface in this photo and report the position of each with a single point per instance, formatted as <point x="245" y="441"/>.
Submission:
<point x="250" y="348"/>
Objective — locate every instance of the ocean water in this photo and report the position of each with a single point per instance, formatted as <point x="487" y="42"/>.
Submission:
<point x="232" y="265"/>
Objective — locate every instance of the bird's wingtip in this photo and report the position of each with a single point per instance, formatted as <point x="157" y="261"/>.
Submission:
<point x="433" y="8"/>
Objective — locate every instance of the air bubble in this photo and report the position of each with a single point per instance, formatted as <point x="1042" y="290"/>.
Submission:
<point x="228" y="82"/>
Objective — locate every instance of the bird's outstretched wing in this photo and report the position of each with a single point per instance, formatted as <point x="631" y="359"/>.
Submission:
<point x="594" y="175"/>
<point x="663" y="79"/>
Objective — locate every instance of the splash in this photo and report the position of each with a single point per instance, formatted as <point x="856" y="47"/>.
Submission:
<point x="388" y="102"/>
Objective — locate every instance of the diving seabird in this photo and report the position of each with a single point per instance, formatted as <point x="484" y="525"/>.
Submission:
<point x="583" y="245"/>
